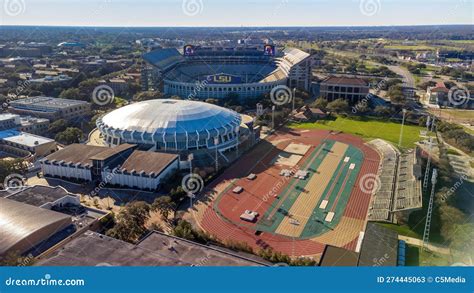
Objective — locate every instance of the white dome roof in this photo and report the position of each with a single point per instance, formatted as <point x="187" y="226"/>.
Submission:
<point x="167" y="116"/>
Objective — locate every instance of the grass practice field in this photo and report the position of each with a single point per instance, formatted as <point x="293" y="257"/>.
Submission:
<point x="369" y="129"/>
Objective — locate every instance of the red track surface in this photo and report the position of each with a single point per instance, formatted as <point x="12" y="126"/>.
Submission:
<point x="256" y="196"/>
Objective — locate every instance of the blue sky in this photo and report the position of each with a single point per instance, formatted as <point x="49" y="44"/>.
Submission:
<point x="235" y="13"/>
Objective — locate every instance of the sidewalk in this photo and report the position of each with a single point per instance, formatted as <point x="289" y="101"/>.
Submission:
<point x="419" y="242"/>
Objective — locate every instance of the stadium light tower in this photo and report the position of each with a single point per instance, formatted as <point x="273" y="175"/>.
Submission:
<point x="401" y="129"/>
<point x="426" y="233"/>
<point x="428" y="164"/>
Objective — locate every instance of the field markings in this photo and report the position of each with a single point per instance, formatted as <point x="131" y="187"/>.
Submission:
<point x="303" y="207"/>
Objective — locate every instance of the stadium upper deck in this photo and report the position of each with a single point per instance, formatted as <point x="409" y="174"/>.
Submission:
<point x="204" y="72"/>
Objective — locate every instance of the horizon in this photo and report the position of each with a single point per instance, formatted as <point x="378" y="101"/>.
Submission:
<point x="247" y="13"/>
<point x="244" y="27"/>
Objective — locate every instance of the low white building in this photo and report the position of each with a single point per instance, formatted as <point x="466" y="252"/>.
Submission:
<point x="121" y="166"/>
<point x="17" y="142"/>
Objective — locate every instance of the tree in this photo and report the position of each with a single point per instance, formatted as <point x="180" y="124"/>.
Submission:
<point x="69" y="136"/>
<point x="164" y="205"/>
<point x="396" y="94"/>
<point x="463" y="240"/>
<point x="320" y="103"/>
<point x="185" y="230"/>
<point x="338" y="106"/>
<point x="362" y="107"/>
<point x="72" y="94"/>
<point x="9" y="167"/>
<point x="383" y="111"/>
<point x="450" y="217"/>
<point x="57" y="126"/>
<point x="148" y="95"/>
<point x="130" y="222"/>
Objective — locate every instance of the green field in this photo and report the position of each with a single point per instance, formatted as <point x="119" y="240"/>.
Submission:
<point x="410" y="48"/>
<point x="368" y="129"/>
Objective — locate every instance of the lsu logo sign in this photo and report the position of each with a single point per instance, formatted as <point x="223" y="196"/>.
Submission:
<point x="223" y="79"/>
<point x="188" y="50"/>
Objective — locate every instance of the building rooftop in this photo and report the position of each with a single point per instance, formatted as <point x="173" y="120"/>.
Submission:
<point x="157" y="249"/>
<point x="342" y="80"/>
<point x="23" y="226"/>
<point x="37" y="195"/>
<point x="76" y="153"/>
<point x="23" y="138"/>
<point x="171" y="117"/>
<point x="338" y="257"/>
<point x="148" y="162"/>
<point x="379" y="246"/>
<point x="84" y="154"/>
<point x="8" y="116"/>
<point x="109" y="152"/>
<point x="49" y="102"/>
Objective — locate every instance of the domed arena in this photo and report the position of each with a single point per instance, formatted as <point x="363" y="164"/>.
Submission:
<point x="176" y="126"/>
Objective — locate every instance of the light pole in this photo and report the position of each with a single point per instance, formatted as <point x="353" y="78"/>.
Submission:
<point x="401" y="129"/>
<point x="237" y="128"/>
<point x="216" y="142"/>
<point x="273" y="118"/>
<point x="293" y="100"/>
<point x="190" y="160"/>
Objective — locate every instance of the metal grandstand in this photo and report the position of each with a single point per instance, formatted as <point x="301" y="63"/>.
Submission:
<point x="399" y="183"/>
